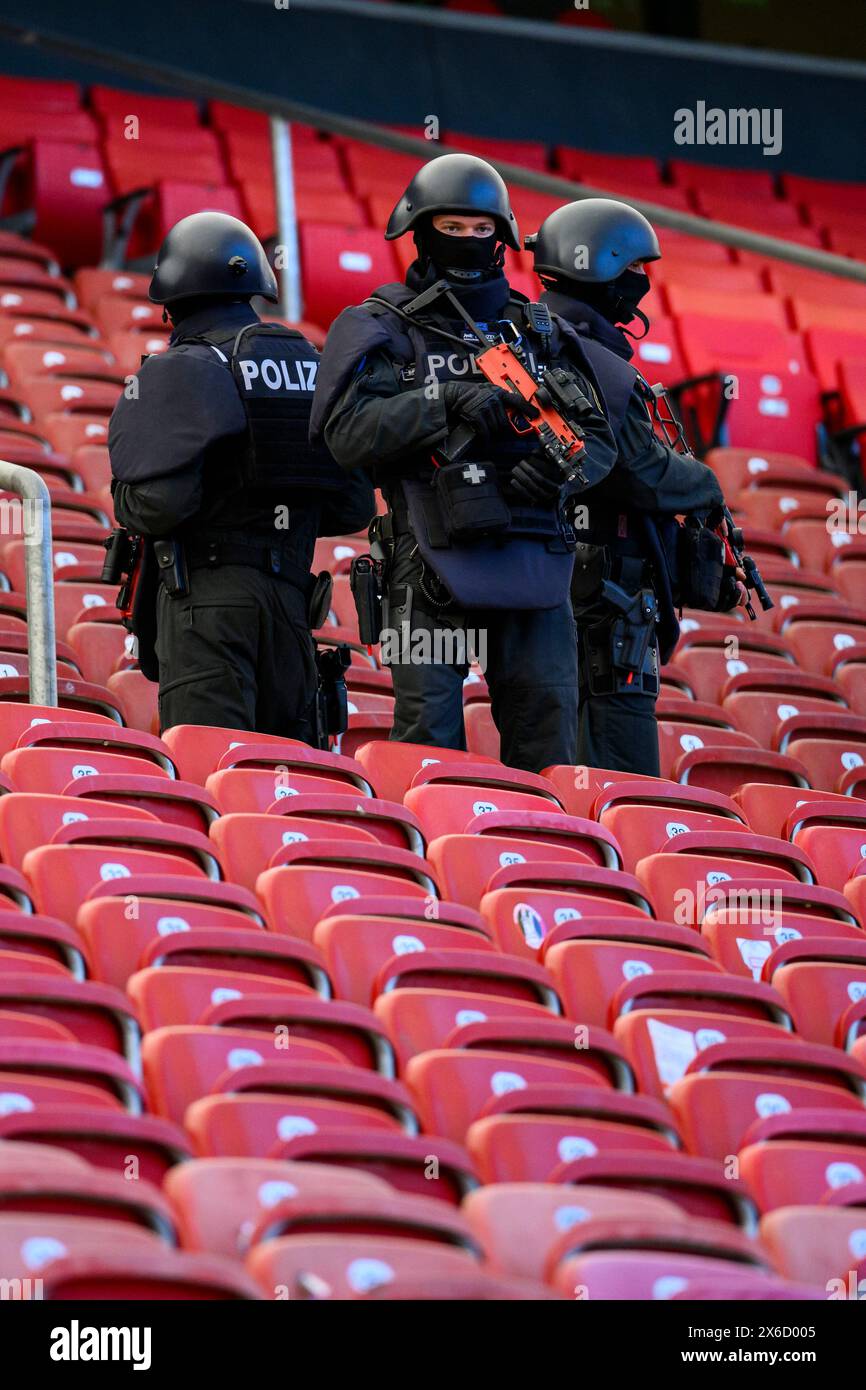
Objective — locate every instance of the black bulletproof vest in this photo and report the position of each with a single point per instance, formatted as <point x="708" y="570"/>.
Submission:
<point x="274" y="369"/>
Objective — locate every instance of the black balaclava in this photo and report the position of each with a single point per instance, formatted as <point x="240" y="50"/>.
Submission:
<point x="616" y="300"/>
<point x="466" y="260"/>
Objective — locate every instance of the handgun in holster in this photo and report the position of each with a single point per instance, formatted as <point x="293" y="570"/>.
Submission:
<point x="332" y="696"/>
<point x="621" y="652"/>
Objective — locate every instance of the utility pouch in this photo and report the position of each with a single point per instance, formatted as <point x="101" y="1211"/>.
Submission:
<point x="470" y="501"/>
<point x="319" y="602"/>
<point x="171" y="566"/>
<point x="366" y="578"/>
<point x="700" y="566"/>
<point x="590" y="566"/>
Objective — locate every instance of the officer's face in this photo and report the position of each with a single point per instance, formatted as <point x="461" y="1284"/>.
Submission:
<point x="458" y="224"/>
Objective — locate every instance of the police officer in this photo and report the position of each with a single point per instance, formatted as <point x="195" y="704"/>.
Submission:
<point x="475" y="537"/>
<point x="590" y="256"/>
<point x="211" y="462"/>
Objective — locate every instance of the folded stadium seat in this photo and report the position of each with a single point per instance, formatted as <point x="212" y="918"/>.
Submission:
<point x="28" y="820"/>
<point x="74" y="603"/>
<point x="173" y="802"/>
<point x="682" y="887"/>
<point x="720" y="277"/>
<point x="589" y="972"/>
<point x="446" y="808"/>
<point x="741" y="941"/>
<point x="97" y="1015"/>
<point x="65" y="555"/>
<point x="403" y="1160"/>
<point x="130" y="348"/>
<point x="218" y="1201"/>
<point x="115" y="941"/>
<point x="92" y="284"/>
<point x="347" y="857"/>
<point x="27" y="1247"/>
<point x="743" y="308"/>
<point x="167" y="994"/>
<point x="834" y="834"/>
<point x="662" y="1043"/>
<point x="828" y="346"/>
<point x="659" y="355"/>
<point x="797" y="1174"/>
<point x="25" y="1092"/>
<point x="817" y="1244"/>
<point x="44" y="394"/>
<point x="254" y="1126"/>
<point x="323" y="1082"/>
<point x="423" y="1020"/>
<point x="72" y="694"/>
<point x="186" y="845"/>
<point x="768" y="808"/>
<point x="694" y="1185"/>
<point x="123" y="313"/>
<point x="531" y="1148"/>
<point x="817" y="635"/>
<point x="452" y="1088"/>
<point x="391" y="767"/>
<point x="62" y="187"/>
<point x="27" y="934"/>
<point x="248" y="842"/>
<point x="199" y="750"/>
<point x="760" y="851"/>
<point x="819" y="979"/>
<point x="522" y="918"/>
<point x="253" y="790"/>
<point x="761" y="701"/>
<point x="26" y="361"/>
<point x="360" y="1267"/>
<point x="849" y="666"/>
<point x="750" y="468"/>
<point x="84" y="1194"/>
<point x="849" y="578"/>
<point x="387" y="822"/>
<point x="137" y="698"/>
<point x="531" y="153"/>
<point x="769" y="506"/>
<point x="356" y="949"/>
<point x="725" y="768"/>
<point x="816" y="313"/>
<point x="295" y="897"/>
<point x="112" y="1273"/>
<point x="826" y="755"/>
<point x="482" y="735"/>
<point x="654" y="792"/>
<point x="161" y="206"/>
<point x="353" y="1030"/>
<point x="464" y="864"/>
<point x="184" y="1062"/>
<point x="61" y="874"/>
<point x="714" y="1110"/>
<point x="646" y="829"/>
<point x="86" y="736"/>
<point x="682" y="734"/>
<point x="95" y="1067"/>
<point x="645" y="1275"/>
<point x="53" y="770"/>
<point x="244" y="950"/>
<point x="518" y="1222"/>
<point x="100" y="648"/>
<point x="67" y="430"/>
<point x="827" y="1066"/>
<point x="708" y="668"/>
<point x="373" y="1211"/>
<point x="483" y="972"/>
<point x="341" y="265"/>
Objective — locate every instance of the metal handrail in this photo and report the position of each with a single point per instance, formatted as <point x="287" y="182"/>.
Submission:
<point x="39" y="574"/>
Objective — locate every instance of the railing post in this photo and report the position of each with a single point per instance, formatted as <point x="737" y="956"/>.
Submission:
<point x="39" y="569"/>
<point x="291" y="304"/>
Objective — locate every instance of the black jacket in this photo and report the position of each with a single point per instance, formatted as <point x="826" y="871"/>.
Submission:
<point x="176" y="443"/>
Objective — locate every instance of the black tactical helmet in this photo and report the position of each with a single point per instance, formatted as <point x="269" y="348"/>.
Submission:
<point x="456" y="183"/>
<point x="211" y="253"/>
<point x="593" y="239"/>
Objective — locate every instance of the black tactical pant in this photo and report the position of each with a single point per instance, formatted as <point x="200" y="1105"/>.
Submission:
<point x="236" y="652"/>
<point x="530" y="664"/>
<point x="616" y="730"/>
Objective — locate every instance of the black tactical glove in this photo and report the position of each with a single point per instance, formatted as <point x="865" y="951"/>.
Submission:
<point x="536" y="482"/>
<point x="484" y="408"/>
